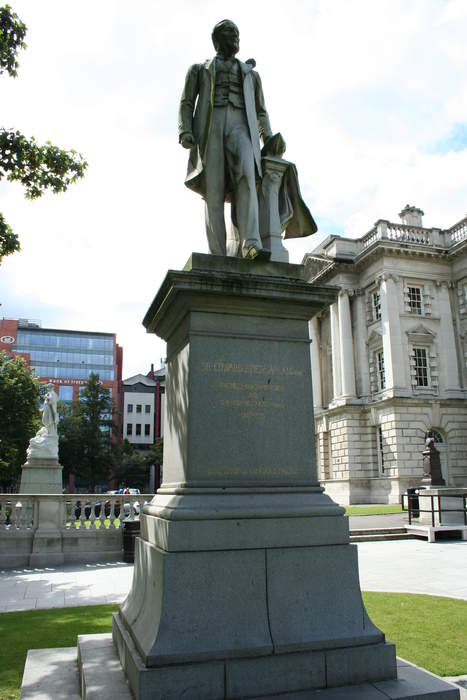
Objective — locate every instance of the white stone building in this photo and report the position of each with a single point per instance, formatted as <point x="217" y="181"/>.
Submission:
<point x="389" y="357"/>
<point x="143" y="408"/>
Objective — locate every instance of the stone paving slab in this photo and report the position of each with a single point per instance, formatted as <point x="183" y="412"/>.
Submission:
<point x="64" y="586"/>
<point x="52" y="674"/>
<point x="411" y="566"/>
<point x="414" y="566"/>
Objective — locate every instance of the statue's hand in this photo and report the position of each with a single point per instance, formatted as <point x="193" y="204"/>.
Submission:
<point x="187" y="140"/>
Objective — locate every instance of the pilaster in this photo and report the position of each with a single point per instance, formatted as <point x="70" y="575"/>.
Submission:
<point x="336" y="352"/>
<point x="346" y="345"/>
<point x="394" y="361"/>
<point x="448" y="363"/>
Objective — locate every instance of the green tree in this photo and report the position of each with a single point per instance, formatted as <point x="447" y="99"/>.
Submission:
<point x="38" y="168"/>
<point x="85" y="435"/>
<point x="19" y="415"/>
<point x="132" y="464"/>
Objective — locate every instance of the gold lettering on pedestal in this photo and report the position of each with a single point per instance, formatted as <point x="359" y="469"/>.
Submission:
<point x="255" y="473"/>
<point x="256" y="397"/>
<point x="240" y="368"/>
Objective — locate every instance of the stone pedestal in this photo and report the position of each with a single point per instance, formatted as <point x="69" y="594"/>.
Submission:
<point x="41" y="476"/>
<point x="47" y="546"/>
<point x="245" y="583"/>
<point x="451" y="502"/>
<point x="44" y="476"/>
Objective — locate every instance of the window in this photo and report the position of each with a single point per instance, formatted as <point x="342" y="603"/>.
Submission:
<point x="415" y="300"/>
<point x="380" y="447"/>
<point x="130" y="408"/>
<point x="138" y="408"/>
<point x="420" y="356"/>
<point x="380" y="375"/>
<point x="138" y="428"/>
<point x="147" y="408"/>
<point x="147" y="429"/>
<point x="376" y="306"/>
<point x="129" y="429"/>
<point x="65" y="393"/>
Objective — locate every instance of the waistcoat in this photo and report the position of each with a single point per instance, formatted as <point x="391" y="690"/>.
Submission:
<point x="228" y="85"/>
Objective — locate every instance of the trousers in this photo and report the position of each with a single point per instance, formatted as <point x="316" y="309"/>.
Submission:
<point x="229" y="152"/>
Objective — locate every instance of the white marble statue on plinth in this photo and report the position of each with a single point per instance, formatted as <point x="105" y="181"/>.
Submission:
<point x="42" y="472"/>
<point x="44" y="445"/>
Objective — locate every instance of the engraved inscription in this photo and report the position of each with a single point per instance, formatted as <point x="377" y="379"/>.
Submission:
<point x="253" y="400"/>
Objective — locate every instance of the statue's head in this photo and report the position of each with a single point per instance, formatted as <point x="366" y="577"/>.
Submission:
<point x="226" y="37"/>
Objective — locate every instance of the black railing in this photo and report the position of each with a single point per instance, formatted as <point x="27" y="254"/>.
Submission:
<point x="414" y="508"/>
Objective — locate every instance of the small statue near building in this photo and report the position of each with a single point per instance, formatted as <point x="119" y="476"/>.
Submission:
<point x="432" y="475"/>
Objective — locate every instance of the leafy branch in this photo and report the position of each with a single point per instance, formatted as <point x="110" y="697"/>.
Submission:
<point x="38" y="168"/>
<point x="12" y="33"/>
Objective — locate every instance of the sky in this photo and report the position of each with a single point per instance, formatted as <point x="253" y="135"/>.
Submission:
<point x="370" y="96"/>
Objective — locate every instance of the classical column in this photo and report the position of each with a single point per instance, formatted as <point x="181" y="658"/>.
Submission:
<point x="394" y="361"/>
<point x="361" y="354"/>
<point x="336" y="352"/>
<point x="346" y="345"/>
<point x="315" y="336"/>
<point x="448" y="365"/>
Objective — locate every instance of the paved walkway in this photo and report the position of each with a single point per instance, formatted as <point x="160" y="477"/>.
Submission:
<point x="64" y="586"/>
<point x="412" y="566"/>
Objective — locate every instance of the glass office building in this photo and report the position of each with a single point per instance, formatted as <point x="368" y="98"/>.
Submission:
<point x="67" y="354"/>
<point x="65" y="358"/>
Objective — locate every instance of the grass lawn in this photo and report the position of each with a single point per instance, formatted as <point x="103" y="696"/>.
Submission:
<point x="429" y="631"/>
<point x="373" y="510"/>
<point x="43" y="629"/>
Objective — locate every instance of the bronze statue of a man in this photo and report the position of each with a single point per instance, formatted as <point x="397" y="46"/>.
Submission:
<point x="222" y="117"/>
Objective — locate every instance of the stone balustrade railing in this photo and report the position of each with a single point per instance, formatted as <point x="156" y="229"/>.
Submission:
<point x="458" y="232"/>
<point x="385" y="230"/>
<point x="45" y="529"/>
<point x="89" y="511"/>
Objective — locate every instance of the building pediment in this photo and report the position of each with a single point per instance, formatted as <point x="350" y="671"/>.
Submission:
<point x="420" y="335"/>
<point x="375" y="339"/>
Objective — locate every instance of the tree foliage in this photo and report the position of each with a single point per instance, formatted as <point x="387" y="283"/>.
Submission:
<point x="9" y="242"/>
<point x="85" y="435"/>
<point x="38" y="168"/>
<point x="19" y="415"/>
<point x="131" y="465"/>
<point x="12" y="33"/>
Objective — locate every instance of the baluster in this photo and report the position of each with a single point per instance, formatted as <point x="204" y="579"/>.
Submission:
<point x="82" y="516"/>
<point x="21" y="514"/>
<point x="112" y="515"/>
<point x="92" y="514"/>
<point x="13" y="515"/>
<point x="102" y="514"/>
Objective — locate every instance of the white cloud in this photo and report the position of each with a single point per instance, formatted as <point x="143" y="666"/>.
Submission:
<point x="360" y="90"/>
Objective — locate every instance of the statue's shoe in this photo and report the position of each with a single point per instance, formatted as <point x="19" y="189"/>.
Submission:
<point x="254" y="253"/>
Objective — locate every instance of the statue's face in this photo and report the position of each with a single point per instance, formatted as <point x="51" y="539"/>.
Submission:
<point x="228" y="39"/>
